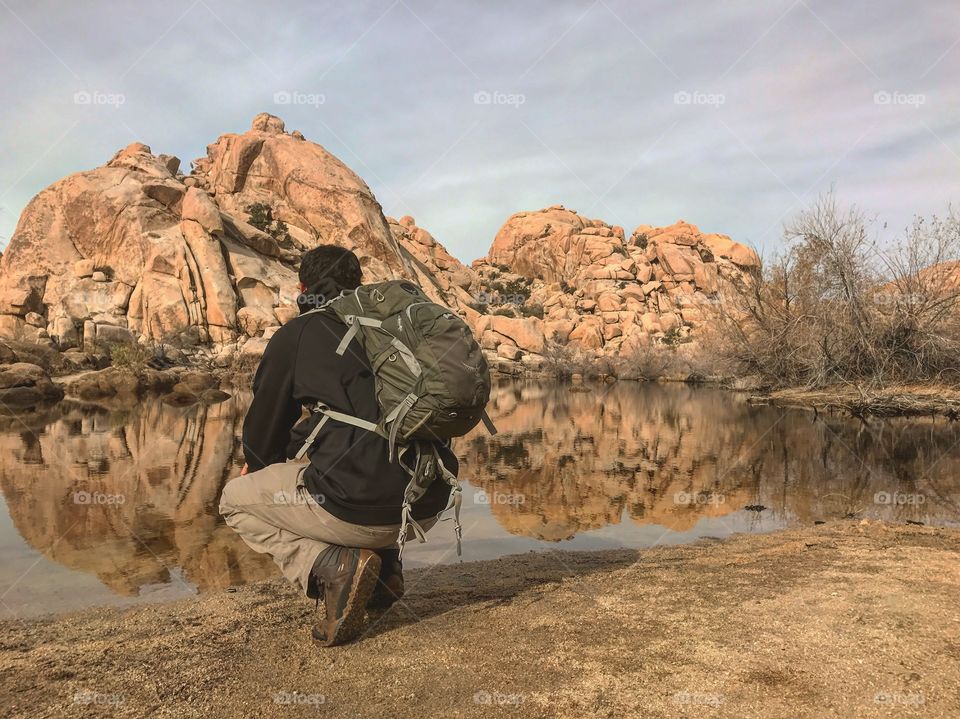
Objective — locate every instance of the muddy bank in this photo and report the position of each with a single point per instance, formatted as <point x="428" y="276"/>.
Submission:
<point x="895" y="401"/>
<point x="839" y="620"/>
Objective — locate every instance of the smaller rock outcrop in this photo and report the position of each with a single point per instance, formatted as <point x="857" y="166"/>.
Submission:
<point x="576" y="281"/>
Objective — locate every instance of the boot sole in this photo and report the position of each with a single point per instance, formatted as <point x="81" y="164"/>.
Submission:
<point x="349" y="625"/>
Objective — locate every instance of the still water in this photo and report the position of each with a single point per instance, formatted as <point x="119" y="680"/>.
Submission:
<point x="110" y="507"/>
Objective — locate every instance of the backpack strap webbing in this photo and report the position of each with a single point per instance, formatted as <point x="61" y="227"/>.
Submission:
<point x="339" y="417"/>
<point x="395" y="418"/>
<point x="311" y="437"/>
<point x="456" y="499"/>
<point x="354" y="323"/>
<point x="488" y="423"/>
<point x="426" y="466"/>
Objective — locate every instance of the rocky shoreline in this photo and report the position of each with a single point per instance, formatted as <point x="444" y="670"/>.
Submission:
<point x="33" y="377"/>
<point x="893" y="401"/>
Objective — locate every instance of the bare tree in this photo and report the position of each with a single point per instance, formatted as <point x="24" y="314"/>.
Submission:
<point x="834" y="308"/>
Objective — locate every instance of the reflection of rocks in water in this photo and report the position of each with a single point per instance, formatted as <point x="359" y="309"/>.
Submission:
<point x="125" y="494"/>
<point x="567" y="462"/>
<point x="563" y="463"/>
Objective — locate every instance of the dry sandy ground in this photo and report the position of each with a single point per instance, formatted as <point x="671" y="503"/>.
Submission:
<point x="842" y="620"/>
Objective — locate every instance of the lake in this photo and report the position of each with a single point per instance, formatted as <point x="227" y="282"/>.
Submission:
<point x="108" y="507"/>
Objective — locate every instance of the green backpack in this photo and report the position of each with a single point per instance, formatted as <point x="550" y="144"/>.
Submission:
<point x="432" y="382"/>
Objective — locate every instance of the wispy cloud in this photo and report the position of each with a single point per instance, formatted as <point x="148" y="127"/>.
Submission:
<point x="462" y="113"/>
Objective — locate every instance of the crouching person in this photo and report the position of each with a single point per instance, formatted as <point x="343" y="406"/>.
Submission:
<point x="332" y="525"/>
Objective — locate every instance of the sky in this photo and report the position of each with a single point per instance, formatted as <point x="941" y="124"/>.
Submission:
<point x="732" y="115"/>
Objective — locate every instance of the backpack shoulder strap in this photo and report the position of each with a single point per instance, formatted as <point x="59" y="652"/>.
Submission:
<point x="329" y="414"/>
<point x="354" y="323"/>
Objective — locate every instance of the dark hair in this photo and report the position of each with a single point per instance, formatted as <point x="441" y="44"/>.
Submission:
<point x="331" y="262"/>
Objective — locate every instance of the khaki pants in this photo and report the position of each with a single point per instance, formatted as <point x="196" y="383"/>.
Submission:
<point x="274" y="514"/>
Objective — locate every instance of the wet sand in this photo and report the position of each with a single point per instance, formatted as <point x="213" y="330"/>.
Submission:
<point x="848" y="619"/>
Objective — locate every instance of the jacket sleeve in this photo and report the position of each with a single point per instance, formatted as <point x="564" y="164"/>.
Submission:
<point x="275" y="409"/>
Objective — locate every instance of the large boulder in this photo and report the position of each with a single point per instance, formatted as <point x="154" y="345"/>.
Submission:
<point x="136" y="246"/>
<point x="22" y="383"/>
<point x="555" y="244"/>
<point x="305" y="186"/>
<point x="525" y="333"/>
<point x="723" y="247"/>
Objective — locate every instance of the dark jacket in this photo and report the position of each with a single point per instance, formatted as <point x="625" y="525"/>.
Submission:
<point x="348" y="467"/>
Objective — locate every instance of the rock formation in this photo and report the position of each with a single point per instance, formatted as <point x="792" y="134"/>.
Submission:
<point x="135" y="249"/>
<point x="206" y="262"/>
<point x="567" y="279"/>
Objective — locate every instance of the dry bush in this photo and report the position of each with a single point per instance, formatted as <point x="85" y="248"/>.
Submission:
<point x="836" y="308"/>
<point x="564" y="361"/>
<point x="650" y="362"/>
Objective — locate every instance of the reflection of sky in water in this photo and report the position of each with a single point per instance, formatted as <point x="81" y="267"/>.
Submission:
<point x="625" y="465"/>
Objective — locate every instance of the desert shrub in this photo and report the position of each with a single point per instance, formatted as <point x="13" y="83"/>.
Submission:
<point x="558" y="360"/>
<point x="514" y="291"/>
<point x="600" y="367"/>
<point x="260" y="215"/>
<point x="642" y="240"/>
<point x="836" y="308"/>
<point x="534" y="310"/>
<point x="563" y="361"/>
<point x="503" y="312"/>
<point x="129" y="356"/>
<point x="650" y="362"/>
<point x="672" y="337"/>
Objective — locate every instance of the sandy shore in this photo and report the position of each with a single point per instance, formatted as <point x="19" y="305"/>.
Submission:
<point x="842" y="620"/>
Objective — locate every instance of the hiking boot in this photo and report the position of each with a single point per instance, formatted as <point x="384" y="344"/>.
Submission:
<point x="389" y="587"/>
<point x="344" y="577"/>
